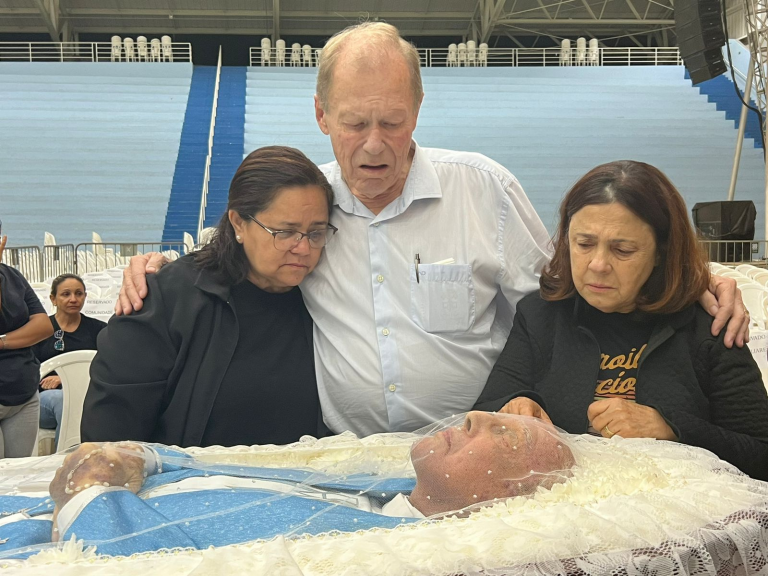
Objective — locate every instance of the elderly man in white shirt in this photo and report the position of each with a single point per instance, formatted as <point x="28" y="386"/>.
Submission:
<point x="413" y="304"/>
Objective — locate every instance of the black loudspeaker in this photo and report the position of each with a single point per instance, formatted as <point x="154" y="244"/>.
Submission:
<point x="730" y="221"/>
<point x="700" y="37"/>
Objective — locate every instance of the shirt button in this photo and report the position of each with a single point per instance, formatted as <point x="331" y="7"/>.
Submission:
<point x="385" y="331"/>
<point x="392" y="387"/>
<point x="380" y="278"/>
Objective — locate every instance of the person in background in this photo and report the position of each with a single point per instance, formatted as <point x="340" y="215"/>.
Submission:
<point x="71" y="331"/>
<point x="23" y="323"/>
<point x="615" y="343"/>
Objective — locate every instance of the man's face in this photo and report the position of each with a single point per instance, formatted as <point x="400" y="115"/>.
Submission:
<point x="370" y="116"/>
<point x="489" y="456"/>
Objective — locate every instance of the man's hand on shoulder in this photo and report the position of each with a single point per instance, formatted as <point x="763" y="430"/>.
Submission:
<point x="134" y="288"/>
<point x="723" y="301"/>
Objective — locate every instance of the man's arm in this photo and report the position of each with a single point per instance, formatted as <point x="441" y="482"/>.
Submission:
<point x="134" y="288"/>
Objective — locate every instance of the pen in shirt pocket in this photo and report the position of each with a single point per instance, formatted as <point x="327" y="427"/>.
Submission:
<point x="417" y="261"/>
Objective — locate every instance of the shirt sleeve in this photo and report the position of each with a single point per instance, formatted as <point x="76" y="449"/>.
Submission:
<point x="523" y="247"/>
<point x="129" y="375"/>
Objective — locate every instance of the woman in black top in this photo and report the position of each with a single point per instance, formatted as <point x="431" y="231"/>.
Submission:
<point x="71" y="331"/>
<point x="23" y="323"/>
<point x="615" y="343"/>
<point x="221" y="352"/>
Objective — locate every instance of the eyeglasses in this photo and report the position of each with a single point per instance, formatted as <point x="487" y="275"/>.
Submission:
<point x="289" y="239"/>
<point x="58" y="345"/>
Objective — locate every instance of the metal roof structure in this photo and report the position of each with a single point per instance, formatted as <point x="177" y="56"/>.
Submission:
<point x="642" y="21"/>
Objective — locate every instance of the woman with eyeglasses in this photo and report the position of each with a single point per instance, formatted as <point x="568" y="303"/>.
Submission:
<point x="71" y="331"/>
<point x="224" y="341"/>
<point x="23" y="323"/>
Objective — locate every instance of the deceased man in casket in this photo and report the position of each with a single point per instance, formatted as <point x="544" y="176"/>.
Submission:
<point x="479" y="492"/>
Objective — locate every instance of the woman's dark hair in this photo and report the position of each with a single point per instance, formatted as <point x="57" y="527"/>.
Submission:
<point x="59" y="279"/>
<point x="682" y="273"/>
<point x="259" y="179"/>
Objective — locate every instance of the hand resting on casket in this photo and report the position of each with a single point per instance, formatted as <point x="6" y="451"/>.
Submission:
<point x="93" y="464"/>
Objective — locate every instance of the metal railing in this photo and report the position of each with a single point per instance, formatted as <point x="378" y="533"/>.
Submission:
<point x="442" y="57"/>
<point x="208" y="158"/>
<point x="93" y="52"/>
<point x="736" y="251"/>
<point x="27" y="260"/>
<point x="58" y="259"/>
<point x="95" y="257"/>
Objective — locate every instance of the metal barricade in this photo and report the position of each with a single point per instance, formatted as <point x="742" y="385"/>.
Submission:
<point x="95" y="257"/>
<point x="27" y="260"/>
<point x="58" y="260"/>
<point x="735" y="251"/>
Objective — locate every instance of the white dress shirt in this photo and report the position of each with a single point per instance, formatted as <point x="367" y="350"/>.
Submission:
<point x="393" y="354"/>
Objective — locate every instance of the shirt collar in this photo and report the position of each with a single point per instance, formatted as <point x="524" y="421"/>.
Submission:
<point x="422" y="182"/>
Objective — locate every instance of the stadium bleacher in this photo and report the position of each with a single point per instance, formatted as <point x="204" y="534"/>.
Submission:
<point x="548" y="125"/>
<point x="94" y="147"/>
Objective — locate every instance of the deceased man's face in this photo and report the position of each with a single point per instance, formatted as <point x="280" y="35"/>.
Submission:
<point x="489" y="456"/>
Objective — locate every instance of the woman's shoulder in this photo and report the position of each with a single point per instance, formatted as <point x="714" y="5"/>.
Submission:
<point x="177" y="275"/>
<point x="534" y="306"/>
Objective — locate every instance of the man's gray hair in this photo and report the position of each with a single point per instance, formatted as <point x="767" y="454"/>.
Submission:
<point x="375" y="35"/>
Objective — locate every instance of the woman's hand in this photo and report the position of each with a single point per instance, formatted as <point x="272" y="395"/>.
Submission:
<point x="50" y="383"/>
<point x="525" y="407"/>
<point x="93" y="464"/>
<point x="616" y="416"/>
<point x="134" y="288"/>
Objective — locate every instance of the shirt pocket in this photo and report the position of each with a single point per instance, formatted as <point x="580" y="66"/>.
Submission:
<point x="443" y="299"/>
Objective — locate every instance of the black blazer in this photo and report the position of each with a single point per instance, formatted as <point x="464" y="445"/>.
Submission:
<point x="181" y="341"/>
<point x="712" y="397"/>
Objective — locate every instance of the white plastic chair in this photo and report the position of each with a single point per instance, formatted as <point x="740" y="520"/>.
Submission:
<point x="730" y="273"/>
<point x="754" y="298"/>
<point x="295" y="54"/>
<point x="307" y="55"/>
<point x="744" y="268"/>
<point x="266" y="51"/>
<point x="117" y="48"/>
<point x="318" y="54"/>
<point x="483" y="54"/>
<point x="471" y="53"/>
<point x="754" y="271"/>
<point x="761" y="278"/>
<point x="189" y="243"/>
<point x="73" y="368"/>
<point x="744" y="281"/>
<point x="462" y="54"/>
<point x="280" y="51"/>
<point x="581" y="51"/>
<point x="593" y="53"/>
<point x="50" y="239"/>
<point x="130" y="55"/>
<point x="141" y="47"/>
<point x="167" y="47"/>
<point x="565" y="52"/>
<point x="206" y="235"/>
<point x="155" y="49"/>
<point x="453" y="57"/>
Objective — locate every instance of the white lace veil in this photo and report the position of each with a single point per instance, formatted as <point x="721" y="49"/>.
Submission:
<point x="534" y="500"/>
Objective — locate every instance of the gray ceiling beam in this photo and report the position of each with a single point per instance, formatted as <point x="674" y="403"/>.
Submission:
<point x="584" y="22"/>
<point x="544" y="9"/>
<point x="49" y="10"/>
<point x="589" y="9"/>
<point x="275" y="21"/>
<point x="634" y="10"/>
<point x="336" y="15"/>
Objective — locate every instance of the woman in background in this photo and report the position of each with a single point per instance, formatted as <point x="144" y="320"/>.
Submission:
<point x="71" y="331"/>
<point x="23" y="323"/>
